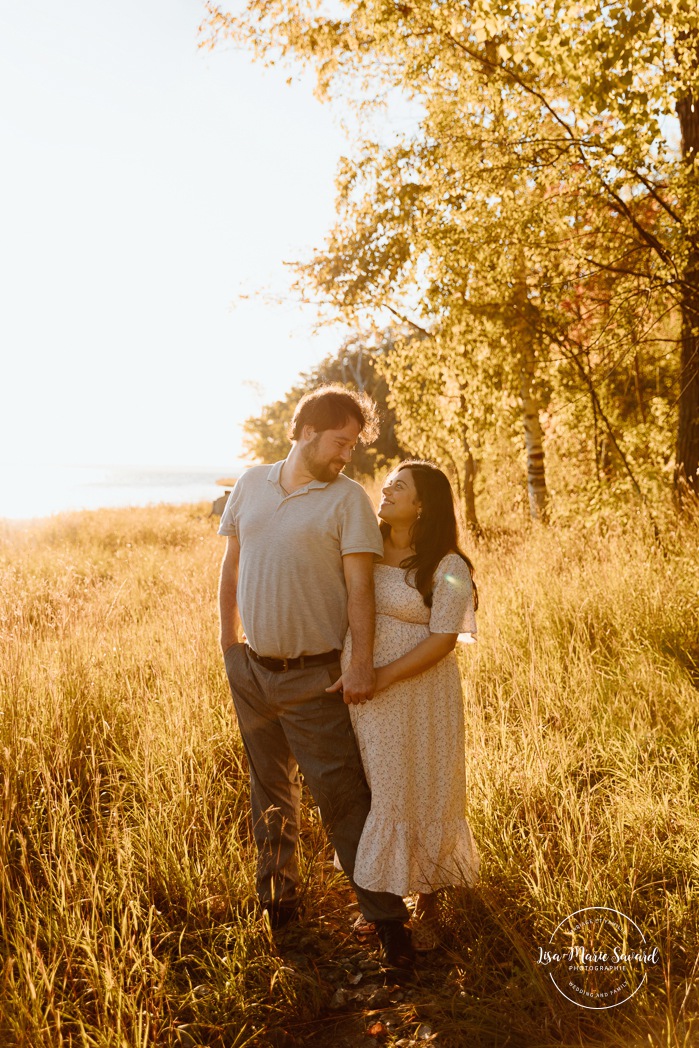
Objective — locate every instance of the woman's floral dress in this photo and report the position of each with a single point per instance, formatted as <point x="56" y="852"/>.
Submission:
<point x="411" y="738"/>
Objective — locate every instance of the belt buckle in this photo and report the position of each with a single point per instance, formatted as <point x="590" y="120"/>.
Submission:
<point x="301" y="661"/>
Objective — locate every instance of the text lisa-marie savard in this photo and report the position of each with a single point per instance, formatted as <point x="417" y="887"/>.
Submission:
<point x="578" y="955"/>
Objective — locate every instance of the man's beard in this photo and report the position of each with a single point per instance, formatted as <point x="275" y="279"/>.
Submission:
<point x="321" y="470"/>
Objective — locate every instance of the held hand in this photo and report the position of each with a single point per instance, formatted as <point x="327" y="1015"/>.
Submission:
<point x="356" y="685"/>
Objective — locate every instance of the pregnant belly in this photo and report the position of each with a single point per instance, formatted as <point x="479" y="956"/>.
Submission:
<point x="393" y="638"/>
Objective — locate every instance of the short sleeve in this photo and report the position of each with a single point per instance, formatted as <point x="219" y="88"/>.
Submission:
<point x="452" y="598"/>
<point x="228" y="524"/>
<point x="359" y="528"/>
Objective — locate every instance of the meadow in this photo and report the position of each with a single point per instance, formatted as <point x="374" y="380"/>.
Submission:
<point x="126" y="885"/>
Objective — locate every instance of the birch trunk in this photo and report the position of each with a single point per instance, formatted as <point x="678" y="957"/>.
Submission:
<point x="533" y="434"/>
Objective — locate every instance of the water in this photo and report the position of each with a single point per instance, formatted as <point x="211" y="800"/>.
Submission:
<point x="39" y="491"/>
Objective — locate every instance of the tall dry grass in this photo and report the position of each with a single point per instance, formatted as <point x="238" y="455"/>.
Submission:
<point x="583" y="706"/>
<point x="126" y="888"/>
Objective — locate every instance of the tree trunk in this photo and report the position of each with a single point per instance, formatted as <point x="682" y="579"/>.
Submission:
<point x="533" y="434"/>
<point x="534" y="439"/>
<point x="469" y="494"/>
<point x="687" y="457"/>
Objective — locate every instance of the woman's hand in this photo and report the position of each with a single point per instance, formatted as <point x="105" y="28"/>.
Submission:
<point x="429" y="652"/>
<point x="383" y="679"/>
<point x="356" y="685"/>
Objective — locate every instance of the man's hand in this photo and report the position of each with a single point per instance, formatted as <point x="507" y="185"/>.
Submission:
<point x="357" y="685"/>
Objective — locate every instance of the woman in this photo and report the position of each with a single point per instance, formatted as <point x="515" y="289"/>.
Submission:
<point x="411" y="734"/>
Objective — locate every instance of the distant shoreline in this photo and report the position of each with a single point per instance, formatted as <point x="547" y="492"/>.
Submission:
<point x="31" y="494"/>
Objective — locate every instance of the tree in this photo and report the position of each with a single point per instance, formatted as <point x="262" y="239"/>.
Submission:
<point x="494" y="267"/>
<point x="431" y="406"/>
<point x="540" y="100"/>
<point x="356" y="365"/>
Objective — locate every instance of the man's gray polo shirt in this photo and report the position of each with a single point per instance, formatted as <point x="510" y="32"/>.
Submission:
<point x="291" y="591"/>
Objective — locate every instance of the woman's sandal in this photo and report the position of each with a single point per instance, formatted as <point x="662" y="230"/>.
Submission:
<point x="363" y="929"/>
<point x="424" y="934"/>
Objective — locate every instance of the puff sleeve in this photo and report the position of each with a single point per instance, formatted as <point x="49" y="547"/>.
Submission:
<point x="452" y="599"/>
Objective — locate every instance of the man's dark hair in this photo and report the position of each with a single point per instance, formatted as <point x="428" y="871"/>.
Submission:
<point x="331" y="407"/>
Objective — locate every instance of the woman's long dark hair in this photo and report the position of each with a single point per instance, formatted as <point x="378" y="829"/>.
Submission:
<point x="435" y="532"/>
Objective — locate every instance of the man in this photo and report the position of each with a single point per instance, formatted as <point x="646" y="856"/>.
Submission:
<point x="298" y="569"/>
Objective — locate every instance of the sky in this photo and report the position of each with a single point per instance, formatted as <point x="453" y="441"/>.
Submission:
<point x="146" y="184"/>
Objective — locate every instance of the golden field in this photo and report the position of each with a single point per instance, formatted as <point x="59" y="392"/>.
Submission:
<point x="126" y="888"/>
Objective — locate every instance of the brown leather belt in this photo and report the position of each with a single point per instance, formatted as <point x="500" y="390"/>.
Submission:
<point x="300" y="663"/>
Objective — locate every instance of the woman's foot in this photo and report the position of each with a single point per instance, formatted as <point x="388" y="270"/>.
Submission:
<point x="424" y="933"/>
<point x="424" y="924"/>
<point x="363" y="928"/>
<point x="426" y="906"/>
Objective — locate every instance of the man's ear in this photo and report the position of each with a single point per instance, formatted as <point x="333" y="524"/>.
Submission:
<point x="308" y="432"/>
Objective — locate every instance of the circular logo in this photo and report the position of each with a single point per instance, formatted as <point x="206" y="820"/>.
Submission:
<point x="598" y="957"/>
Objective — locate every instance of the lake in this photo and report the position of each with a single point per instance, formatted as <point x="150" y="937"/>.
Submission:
<point x="29" y="491"/>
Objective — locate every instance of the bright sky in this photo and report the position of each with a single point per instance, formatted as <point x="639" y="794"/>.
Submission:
<point x="145" y="183"/>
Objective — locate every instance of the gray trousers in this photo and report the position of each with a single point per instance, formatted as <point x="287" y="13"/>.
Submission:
<point x="288" y="722"/>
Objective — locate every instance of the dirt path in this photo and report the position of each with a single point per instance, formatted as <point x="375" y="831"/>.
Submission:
<point x="362" y="1004"/>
